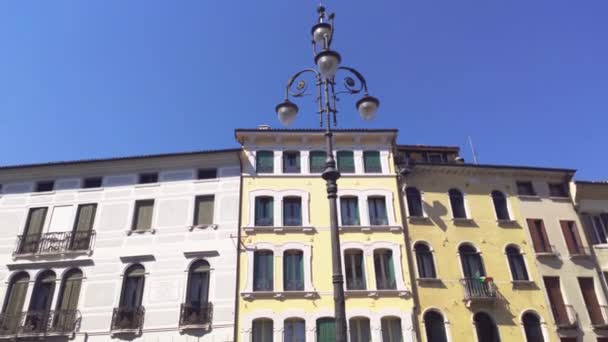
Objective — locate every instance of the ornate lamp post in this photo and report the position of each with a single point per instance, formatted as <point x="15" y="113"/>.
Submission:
<point x="325" y="74"/>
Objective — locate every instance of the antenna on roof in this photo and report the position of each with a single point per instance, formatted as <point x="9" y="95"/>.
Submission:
<point x="473" y="150"/>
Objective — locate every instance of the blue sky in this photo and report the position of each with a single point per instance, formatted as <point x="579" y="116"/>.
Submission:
<point x="528" y="80"/>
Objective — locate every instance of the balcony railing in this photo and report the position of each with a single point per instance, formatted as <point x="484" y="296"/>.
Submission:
<point x="54" y="243"/>
<point x="477" y="290"/>
<point x="128" y="319"/>
<point x="196" y="315"/>
<point x="566" y="318"/>
<point x="58" y="322"/>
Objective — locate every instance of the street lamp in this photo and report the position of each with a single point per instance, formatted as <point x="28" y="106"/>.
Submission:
<point x="328" y="68"/>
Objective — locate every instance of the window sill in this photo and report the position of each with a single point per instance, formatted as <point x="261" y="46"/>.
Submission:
<point x="601" y="246"/>
<point x="376" y="293"/>
<point x="126" y="332"/>
<point x="464" y="221"/>
<point x="582" y="255"/>
<point x="559" y="198"/>
<point x="189" y="327"/>
<point x="418" y="219"/>
<point x="546" y="254"/>
<point x="147" y="185"/>
<point x="529" y="197"/>
<point x="203" y="226"/>
<point x="208" y="180"/>
<point x="370" y="228"/>
<point x="278" y="294"/>
<point x="428" y="280"/>
<point x="522" y="283"/>
<point x="140" y="232"/>
<point x="278" y="229"/>
<point x="91" y="189"/>
<point x="42" y="193"/>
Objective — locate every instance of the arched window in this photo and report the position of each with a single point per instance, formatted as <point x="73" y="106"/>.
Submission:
<point x="486" y="329"/>
<point x="424" y="261"/>
<point x="262" y="330"/>
<point x="196" y="310"/>
<point x="40" y="303"/>
<point x="457" y="203"/>
<point x="13" y="303"/>
<point x="472" y="265"/>
<point x="532" y="327"/>
<point x="294" y="330"/>
<point x="414" y="202"/>
<point x="292" y="211"/>
<point x="384" y="269"/>
<point x="435" y="327"/>
<point x="500" y="205"/>
<point x="263" y="270"/>
<point x="516" y="263"/>
<point x="293" y="270"/>
<point x="326" y="329"/>
<point x="359" y="329"/>
<point x="67" y="303"/>
<point x="354" y="268"/>
<point x="391" y="329"/>
<point x="130" y="313"/>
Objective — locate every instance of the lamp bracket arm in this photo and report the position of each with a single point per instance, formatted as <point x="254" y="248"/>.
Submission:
<point x="297" y="85"/>
<point x="353" y="86"/>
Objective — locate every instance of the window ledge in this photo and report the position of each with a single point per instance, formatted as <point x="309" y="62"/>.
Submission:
<point x="376" y="293"/>
<point x="546" y="254"/>
<point x="509" y="221"/>
<point x="203" y="327"/>
<point x="559" y="198"/>
<point x="418" y="219"/>
<point x="91" y="189"/>
<point x="522" y="283"/>
<point x="463" y="220"/>
<point x="278" y="229"/>
<point x="147" y="185"/>
<point x="140" y="232"/>
<point x="203" y="226"/>
<point x="529" y="197"/>
<point x="582" y="255"/>
<point x="601" y="246"/>
<point x="42" y="193"/>
<point x="371" y="228"/>
<point x="278" y="294"/>
<point x="208" y="180"/>
<point x="428" y="280"/>
<point x="125" y="332"/>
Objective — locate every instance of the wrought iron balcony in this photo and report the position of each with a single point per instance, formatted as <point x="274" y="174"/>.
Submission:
<point x="196" y="315"/>
<point x="128" y="319"/>
<point x="54" y="243"/>
<point x="54" y="322"/>
<point x="477" y="290"/>
<point x="566" y="318"/>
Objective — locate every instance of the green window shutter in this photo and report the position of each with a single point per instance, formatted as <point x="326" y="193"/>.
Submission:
<point x="371" y="162"/>
<point x="346" y="161"/>
<point x="326" y="330"/>
<point x="317" y="161"/>
<point x="204" y="210"/>
<point x="143" y="215"/>
<point x="264" y="161"/>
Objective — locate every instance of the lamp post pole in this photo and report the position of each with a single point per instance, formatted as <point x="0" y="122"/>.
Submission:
<point x="328" y="66"/>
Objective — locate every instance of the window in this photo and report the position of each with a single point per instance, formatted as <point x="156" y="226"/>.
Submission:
<point x="591" y="302"/>
<point x="384" y="268"/>
<point x="349" y="211"/>
<point x="354" y="269"/>
<point x="263" y="271"/>
<point x="540" y="241"/>
<point x="197" y="294"/>
<point x="573" y="239"/>
<point x="317" y="161"/>
<point x="262" y="330"/>
<point x="371" y="162"/>
<point x="291" y="162"/>
<point x="359" y="330"/>
<point x="293" y="270"/>
<point x="424" y="261"/>
<point x="472" y="265"/>
<point x="13" y="302"/>
<point x="42" y="297"/>
<point x="391" y="329"/>
<point x="486" y="329"/>
<point x="264" y="161"/>
<point x="203" y="210"/>
<point x="264" y="211"/>
<point x="292" y="211"/>
<point x="600" y="225"/>
<point x="206" y="173"/>
<point x="377" y="211"/>
<point x="93" y="182"/>
<point x="346" y="161"/>
<point x="558" y="190"/>
<point x="83" y="227"/>
<point x="326" y="330"/>
<point x="45" y="186"/>
<point x="147" y="178"/>
<point x="556" y="300"/>
<point x="516" y="263"/>
<point x="142" y="217"/>
<point x="500" y="205"/>
<point x="525" y="188"/>
<point x="67" y="303"/>
<point x="133" y="287"/>
<point x="414" y="202"/>
<point x="436" y="158"/>
<point x="33" y="230"/>
<point x="434" y="327"/>
<point x="532" y="329"/>
<point x="294" y="330"/>
<point x="457" y="203"/>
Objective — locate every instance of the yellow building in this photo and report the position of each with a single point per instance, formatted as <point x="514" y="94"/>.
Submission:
<point x="285" y="288"/>
<point x="475" y="269"/>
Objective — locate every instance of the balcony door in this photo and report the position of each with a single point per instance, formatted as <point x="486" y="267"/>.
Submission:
<point x="33" y="230"/>
<point x="133" y="288"/>
<point x="40" y="303"/>
<point x="13" y="304"/>
<point x="67" y="304"/>
<point x="83" y="227"/>
<point x="472" y="265"/>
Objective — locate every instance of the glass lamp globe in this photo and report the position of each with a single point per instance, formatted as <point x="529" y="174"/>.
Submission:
<point x="328" y="62"/>
<point x="287" y="112"/>
<point x="320" y="31"/>
<point x="368" y="107"/>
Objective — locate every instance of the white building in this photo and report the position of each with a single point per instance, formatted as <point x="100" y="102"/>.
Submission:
<point x="140" y="248"/>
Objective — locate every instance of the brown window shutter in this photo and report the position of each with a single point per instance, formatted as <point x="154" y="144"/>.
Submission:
<point x="536" y="238"/>
<point x="545" y="238"/>
<point x="573" y="240"/>
<point x="593" y="306"/>
<point x="556" y="300"/>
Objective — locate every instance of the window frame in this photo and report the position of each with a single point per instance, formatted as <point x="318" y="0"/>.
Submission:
<point x="298" y="159"/>
<point x="353" y="262"/>
<point x="134" y="217"/>
<point x="431" y="255"/>
<point x="521" y="255"/>
<point x="310" y="164"/>
<point x="358" y="209"/>
<point x="533" y="192"/>
<point x="299" y="220"/>
<point x="465" y="210"/>
<point x="443" y="321"/>
<point x="365" y="166"/>
<point x="285" y="254"/>
<point x="507" y="207"/>
<point x="373" y="221"/>
<point x="141" y="178"/>
<point x="541" y="325"/>
<point x="379" y="279"/>
<point x="196" y="211"/>
<point x="352" y="154"/>
<point x="40" y="186"/>
<point x="270" y="218"/>
<point x="407" y="202"/>
<point x="269" y="153"/>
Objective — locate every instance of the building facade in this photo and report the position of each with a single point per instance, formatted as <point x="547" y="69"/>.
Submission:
<point x="141" y="248"/>
<point x="285" y="288"/>
<point x="476" y="272"/>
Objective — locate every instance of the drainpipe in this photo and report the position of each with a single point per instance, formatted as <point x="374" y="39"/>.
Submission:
<point x="238" y="252"/>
